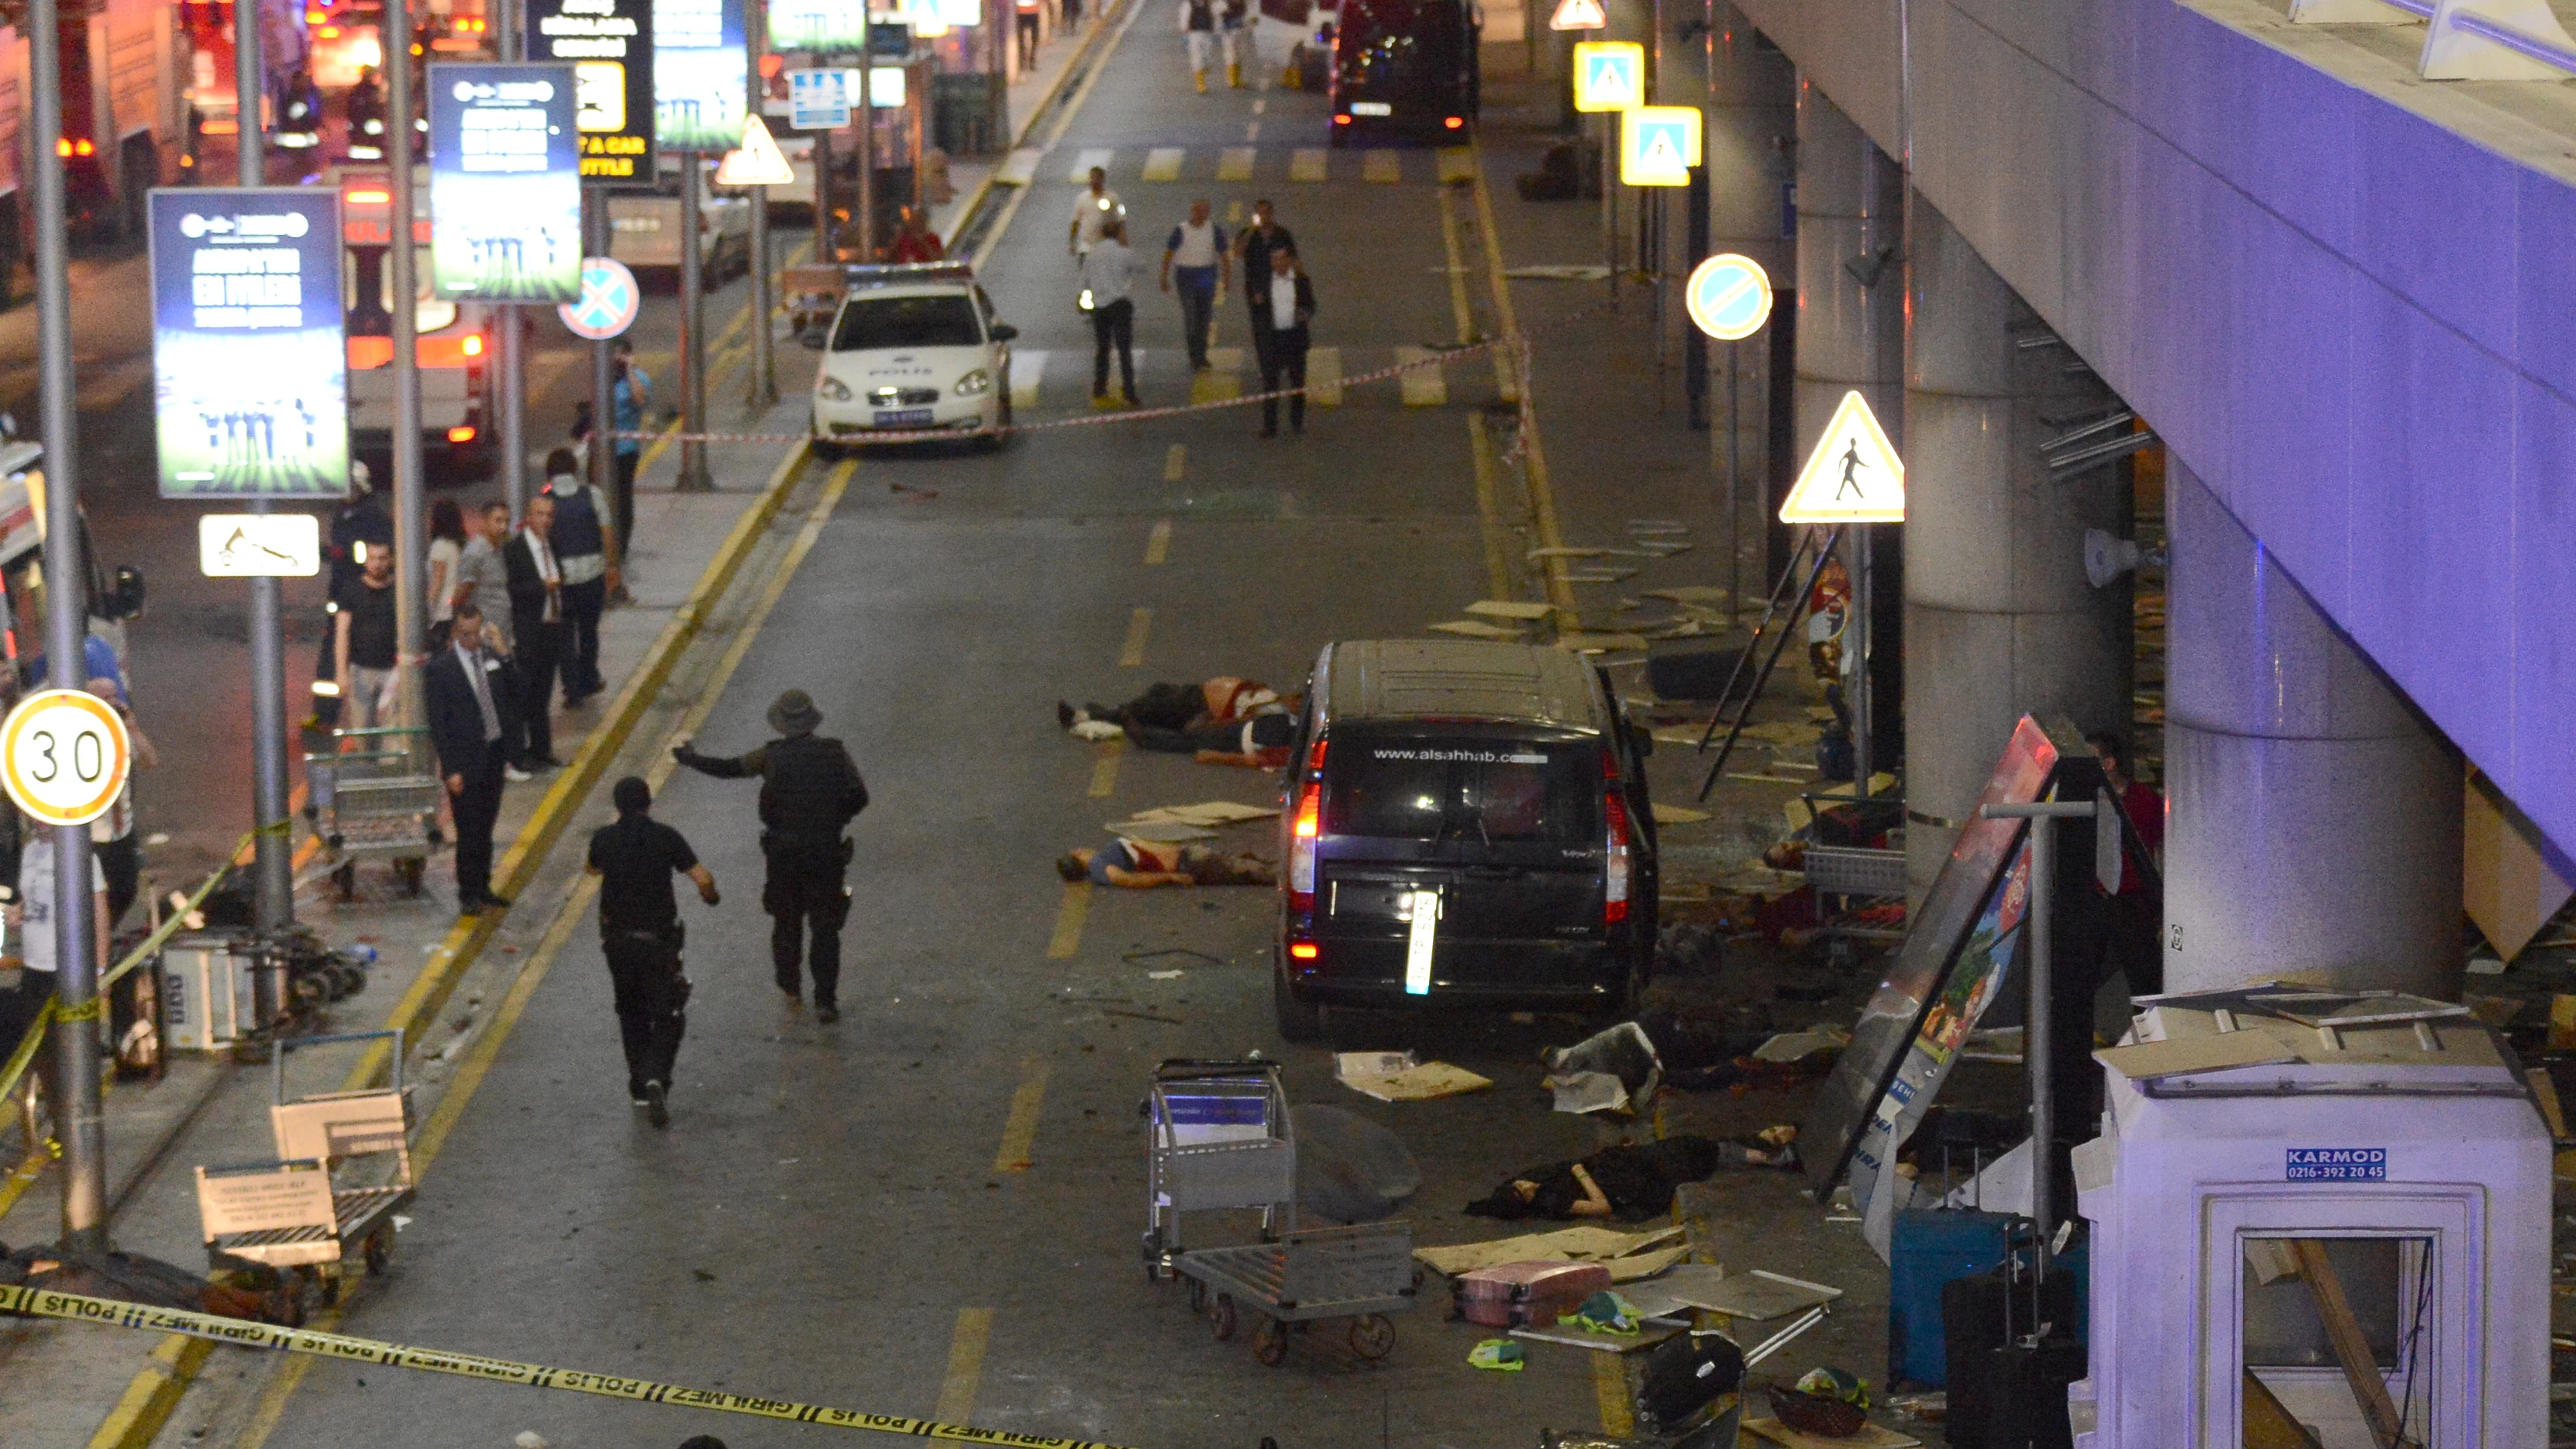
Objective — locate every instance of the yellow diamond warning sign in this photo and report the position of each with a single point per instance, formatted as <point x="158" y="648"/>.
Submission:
<point x="1854" y="476"/>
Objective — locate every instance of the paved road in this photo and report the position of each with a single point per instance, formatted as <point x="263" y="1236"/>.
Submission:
<point x="933" y="1208"/>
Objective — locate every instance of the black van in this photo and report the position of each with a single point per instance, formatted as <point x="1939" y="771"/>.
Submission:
<point x="1464" y="824"/>
<point x="1407" y="67"/>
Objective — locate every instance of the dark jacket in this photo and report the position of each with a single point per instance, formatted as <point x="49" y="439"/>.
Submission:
<point x="527" y="587"/>
<point x="455" y="721"/>
<point x="1257" y="292"/>
<point x="810" y="789"/>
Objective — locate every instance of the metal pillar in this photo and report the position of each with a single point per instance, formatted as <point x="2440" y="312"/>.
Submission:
<point x="603" y="376"/>
<point x="2313" y="821"/>
<point x="693" y="330"/>
<point x="411" y="507"/>
<point x="76" y="1044"/>
<point x="1752" y="128"/>
<point x="1999" y="619"/>
<point x="272" y="851"/>
<point x="2039" y="1047"/>
<point x="509" y="360"/>
<point x="864" y="115"/>
<point x="764" y="369"/>
<point x="823" y="197"/>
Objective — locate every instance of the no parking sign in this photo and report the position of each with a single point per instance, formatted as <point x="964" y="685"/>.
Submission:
<point x="1728" y="297"/>
<point x="608" y="303"/>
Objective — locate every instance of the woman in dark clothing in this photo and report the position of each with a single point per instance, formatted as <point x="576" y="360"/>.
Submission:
<point x="1632" y="1181"/>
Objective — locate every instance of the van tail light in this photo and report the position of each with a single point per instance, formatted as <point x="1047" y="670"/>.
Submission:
<point x="1301" y="850"/>
<point x="1614" y="902"/>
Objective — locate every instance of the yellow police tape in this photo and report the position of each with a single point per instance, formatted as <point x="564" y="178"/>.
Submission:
<point x="242" y="1333"/>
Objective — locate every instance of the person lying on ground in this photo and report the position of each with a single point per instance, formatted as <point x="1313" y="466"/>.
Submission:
<point x="1631" y="1181"/>
<point x="1145" y="864"/>
<point x="1222" y="700"/>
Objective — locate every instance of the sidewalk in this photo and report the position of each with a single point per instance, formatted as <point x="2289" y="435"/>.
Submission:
<point x="1031" y="97"/>
<point x="59" y="1382"/>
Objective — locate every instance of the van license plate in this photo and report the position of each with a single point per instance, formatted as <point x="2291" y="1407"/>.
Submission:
<point x="1371" y="108"/>
<point x="1417" y="950"/>
<point x="904" y="418"/>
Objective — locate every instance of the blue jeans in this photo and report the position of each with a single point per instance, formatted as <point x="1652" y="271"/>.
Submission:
<point x="1197" y="286"/>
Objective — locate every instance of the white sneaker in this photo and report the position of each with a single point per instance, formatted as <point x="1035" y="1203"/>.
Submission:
<point x="514" y="774"/>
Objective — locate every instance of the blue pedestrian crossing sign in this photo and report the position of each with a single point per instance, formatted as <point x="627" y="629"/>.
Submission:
<point x="1728" y="297"/>
<point x="608" y="302"/>
<point x="1658" y="145"/>
<point x="1854" y="476"/>
<point x="1609" y="75"/>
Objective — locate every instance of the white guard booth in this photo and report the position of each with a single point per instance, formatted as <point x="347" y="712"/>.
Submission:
<point x="2319" y="1219"/>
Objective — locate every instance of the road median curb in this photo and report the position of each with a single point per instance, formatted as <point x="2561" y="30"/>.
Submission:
<point x="137" y="1418"/>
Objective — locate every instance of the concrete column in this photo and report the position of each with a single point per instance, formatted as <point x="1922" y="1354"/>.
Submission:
<point x="1752" y="134"/>
<point x="1851" y="335"/>
<point x="2313" y="818"/>
<point x="1999" y="619"/>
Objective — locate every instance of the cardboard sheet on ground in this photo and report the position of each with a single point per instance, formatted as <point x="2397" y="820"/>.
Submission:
<point x="1420" y="1083"/>
<point x="1511" y="609"/>
<point x="1762" y="1295"/>
<point x="1160" y="832"/>
<point x="1209" y="812"/>
<point x="1476" y="629"/>
<point x="1629" y="1256"/>
<point x="1684" y="1286"/>
<point x="1574" y="1335"/>
<point x="1585" y="641"/>
<point x="1790" y="1046"/>
<point x="1871" y="1436"/>
<point x="1689" y="594"/>
<point x="1678" y="814"/>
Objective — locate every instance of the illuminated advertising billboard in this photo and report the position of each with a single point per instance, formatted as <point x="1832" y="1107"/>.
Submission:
<point x="698" y="74"/>
<point x="250" y="368"/>
<point x="817" y="25"/>
<point x="609" y="45"/>
<point x="504" y="183"/>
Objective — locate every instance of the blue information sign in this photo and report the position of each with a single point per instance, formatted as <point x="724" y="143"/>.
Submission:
<point x="250" y="365"/>
<point x="698" y="74"/>
<point x="2337" y="1164"/>
<point x="504" y="183"/>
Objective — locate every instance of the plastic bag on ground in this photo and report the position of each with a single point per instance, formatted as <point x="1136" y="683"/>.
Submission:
<point x="1349" y="1169"/>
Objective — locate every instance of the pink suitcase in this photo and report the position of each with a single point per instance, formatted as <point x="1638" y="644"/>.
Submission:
<point x="1510" y="1295"/>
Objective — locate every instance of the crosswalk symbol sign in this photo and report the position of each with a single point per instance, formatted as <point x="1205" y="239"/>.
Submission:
<point x="1658" y="145"/>
<point x="1578" y="15"/>
<point x="1854" y="476"/>
<point x="1609" y="75"/>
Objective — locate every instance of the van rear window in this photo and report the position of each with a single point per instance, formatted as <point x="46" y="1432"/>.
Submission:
<point x="1478" y="789"/>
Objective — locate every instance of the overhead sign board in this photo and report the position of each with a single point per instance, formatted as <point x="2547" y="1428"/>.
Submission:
<point x="609" y="44"/>
<point x="1658" y="145"/>
<point x="1609" y="75"/>
<point x="757" y="161"/>
<point x="64" y="756"/>
<point x="1728" y="297"/>
<point x="823" y="26"/>
<point x="259" y="545"/>
<point x="818" y="100"/>
<point x="1854" y="476"/>
<point x="698" y="74"/>
<point x="250" y="367"/>
<point x="504" y="183"/>
<point x="1578" y="15"/>
<point x="608" y="302"/>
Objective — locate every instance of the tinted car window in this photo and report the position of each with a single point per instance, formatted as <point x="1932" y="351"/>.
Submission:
<point x="1426" y="787"/>
<point x="887" y="322"/>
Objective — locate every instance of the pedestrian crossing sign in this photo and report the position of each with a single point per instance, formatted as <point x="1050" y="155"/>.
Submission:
<point x="1658" y="145"/>
<point x="1578" y="15"/>
<point x="1609" y="75"/>
<point x="1854" y="476"/>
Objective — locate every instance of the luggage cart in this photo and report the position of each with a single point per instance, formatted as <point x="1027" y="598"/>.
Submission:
<point x="328" y="1199"/>
<point x="1361" y="1273"/>
<point x="1217" y="1136"/>
<point x="373" y="802"/>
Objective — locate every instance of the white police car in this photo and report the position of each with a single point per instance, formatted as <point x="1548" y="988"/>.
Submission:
<point x="912" y="349"/>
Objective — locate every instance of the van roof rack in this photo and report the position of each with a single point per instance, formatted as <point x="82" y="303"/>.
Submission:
<point x="889" y="274"/>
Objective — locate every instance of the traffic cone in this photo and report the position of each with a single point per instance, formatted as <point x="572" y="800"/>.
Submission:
<point x="1234" y="74"/>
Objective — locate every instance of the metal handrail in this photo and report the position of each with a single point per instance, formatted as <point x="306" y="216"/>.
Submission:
<point x="2530" y="47"/>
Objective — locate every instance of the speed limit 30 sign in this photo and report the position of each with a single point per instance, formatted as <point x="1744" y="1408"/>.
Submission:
<point x="64" y="755"/>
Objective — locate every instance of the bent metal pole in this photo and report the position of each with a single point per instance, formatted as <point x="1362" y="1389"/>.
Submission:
<point x="77" y="1122"/>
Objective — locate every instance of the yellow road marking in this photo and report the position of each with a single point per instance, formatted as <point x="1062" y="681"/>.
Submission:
<point x="1236" y="163"/>
<point x="478" y="1061"/>
<point x="1382" y="165"/>
<point x="1215" y="385"/>
<point x="965" y="1365"/>
<point x="1458" y="308"/>
<point x="1506" y="372"/>
<point x="1173" y="462"/>
<point x="1424" y="387"/>
<point x="1542" y="493"/>
<point x="1020" y="1132"/>
<point x="1163" y="163"/>
<point x="1138" y="625"/>
<point x="1324" y="376"/>
<point x="1610" y="1388"/>
<point x="1489" y="509"/>
<point x="1104" y="771"/>
<point x="1457" y="163"/>
<point x="1306" y="164"/>
<point x="1068" y="920"/>
<point x="1158" y="544"/>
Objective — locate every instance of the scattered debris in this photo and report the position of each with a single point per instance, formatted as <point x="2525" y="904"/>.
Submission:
<point x="1498" y="1354"/>
<point x="1512" y="609"/>
<point x="1397" y="1077"/>
<point x="1628" y="1256"/>
<point x="1794" y="1046"/>
<point x="1679" y="814"/>
<point x="1478" y="629"/>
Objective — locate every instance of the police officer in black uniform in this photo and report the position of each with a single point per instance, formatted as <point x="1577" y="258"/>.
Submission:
<point x="810" y="791"/>
<point x="640" y="930"/>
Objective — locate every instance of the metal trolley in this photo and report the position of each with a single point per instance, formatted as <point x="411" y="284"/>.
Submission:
<point x="373" y="801"/>
<point x="343" y="1169"/>
<point x="1361" y="1273"/>
<point x="1217" y="1136"/>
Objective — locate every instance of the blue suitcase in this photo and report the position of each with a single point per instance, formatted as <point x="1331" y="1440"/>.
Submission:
<point x="1926" y="1250"/>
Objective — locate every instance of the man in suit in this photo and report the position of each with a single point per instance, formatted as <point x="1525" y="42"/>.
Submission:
<point x="537" y="604"/>
<point x="473" y="713"/>
<point x="1283" y="303"/>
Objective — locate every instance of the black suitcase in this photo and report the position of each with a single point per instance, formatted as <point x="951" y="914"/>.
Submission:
<point x="1998" y="1393"/>
<point x="1680" y="1377"/>
<point x="2026" y="1393"/>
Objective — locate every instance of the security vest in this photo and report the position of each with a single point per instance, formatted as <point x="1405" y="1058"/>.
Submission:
<point x="809" y="791"/>
<point x="577" y="533"/>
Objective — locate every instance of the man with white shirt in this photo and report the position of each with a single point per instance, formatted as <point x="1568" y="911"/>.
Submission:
<point x="1109" y="275"/>
<point x="537" y="609"/>
<point x="1283" y="303"/>
<point x="1197" y="258"/>
<point x="473" y="715"/>
<point x="1094" y="208"/>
